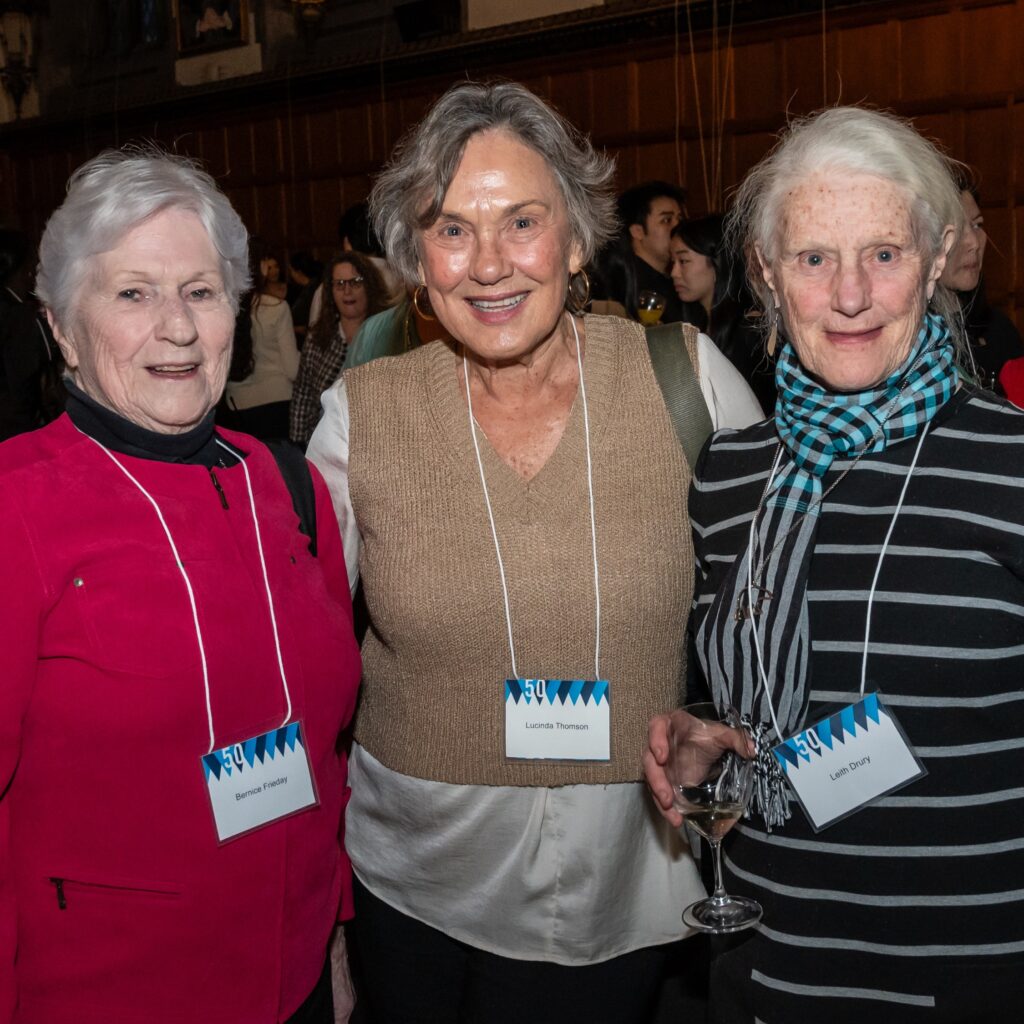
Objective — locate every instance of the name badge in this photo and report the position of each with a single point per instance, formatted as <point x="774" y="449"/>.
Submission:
<point x="259" y="780"/>
<point x="847" y="761"/>
<point x="558" y="719"/>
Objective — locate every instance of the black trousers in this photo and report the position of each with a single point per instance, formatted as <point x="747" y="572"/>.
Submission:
<point x="318" y="1007"/>
<point x="410" y="973"/>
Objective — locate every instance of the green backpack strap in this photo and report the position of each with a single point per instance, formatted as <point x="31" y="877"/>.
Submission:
<point x="670" y="347"/>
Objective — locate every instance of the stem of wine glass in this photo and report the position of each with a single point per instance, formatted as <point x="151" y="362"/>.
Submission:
<point x="716" y="850"/>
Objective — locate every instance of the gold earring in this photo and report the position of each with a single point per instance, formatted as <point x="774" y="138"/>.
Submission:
<point x="416" y="303"/>
<point x="572" y="303"/>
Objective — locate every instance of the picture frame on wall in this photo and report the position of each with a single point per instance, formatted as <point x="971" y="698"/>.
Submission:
<point x="208" y="25"/>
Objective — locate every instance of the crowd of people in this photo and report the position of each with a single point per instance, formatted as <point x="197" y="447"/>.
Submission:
<point x="792" y="490"/>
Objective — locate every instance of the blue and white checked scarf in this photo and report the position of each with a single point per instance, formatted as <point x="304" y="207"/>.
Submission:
<point x="817" y="426"/>
<point x="817" y="429"/>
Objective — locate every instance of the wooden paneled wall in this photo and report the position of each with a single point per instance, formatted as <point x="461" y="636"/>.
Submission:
<point x="290" y="168"/>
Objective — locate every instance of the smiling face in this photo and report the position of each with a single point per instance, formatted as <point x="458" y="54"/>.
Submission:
<point x="151" y="328"/>
<point x="497" y="260"/>
<point x="963" y="268"/>
<point x="693" y="274"/>
<point x="850" y="281"/>
<point x="651" y="240"/>
<point x="349" y="290"/>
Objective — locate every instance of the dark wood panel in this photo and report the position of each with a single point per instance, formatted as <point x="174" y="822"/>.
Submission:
<point x="656" y="95"/>
<point x="929" y="60"/>
<point x="238" y="143"/>
<point x="570" y="93"/>
<point x="867" y="58"/>
<point x="988" y="148"/>
<point x="1000" y="251"/>
<point x="1016" y="158"/>
<point x="211" y="148"/>
<point x="267" y="158"/>
<point x="757" y="71"/>
<point x="803" y="82"/>
<point x="991" y="47"/>
<point x="611" y="91"/>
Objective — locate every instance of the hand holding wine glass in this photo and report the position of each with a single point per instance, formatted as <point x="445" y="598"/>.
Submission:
<point x="711" y="783"/>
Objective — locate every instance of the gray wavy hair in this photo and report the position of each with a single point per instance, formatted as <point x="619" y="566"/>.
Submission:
<point x="116" y="191"/>
<point x="860" y="141"/>
<point x="408" y="195"/>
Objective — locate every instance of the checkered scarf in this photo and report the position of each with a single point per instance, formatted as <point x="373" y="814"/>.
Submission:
<point x="816" y="427"/>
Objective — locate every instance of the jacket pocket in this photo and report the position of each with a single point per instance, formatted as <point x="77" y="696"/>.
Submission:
<point x="68" y="890"/>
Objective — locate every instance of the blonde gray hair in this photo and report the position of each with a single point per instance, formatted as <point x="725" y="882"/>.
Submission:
<point x="409" y="192"/>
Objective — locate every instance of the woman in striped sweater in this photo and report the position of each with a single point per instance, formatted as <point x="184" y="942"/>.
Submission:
<point x="866" y="540"/>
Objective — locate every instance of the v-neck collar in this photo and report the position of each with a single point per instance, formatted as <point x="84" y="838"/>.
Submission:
<point x="564" y="474"/>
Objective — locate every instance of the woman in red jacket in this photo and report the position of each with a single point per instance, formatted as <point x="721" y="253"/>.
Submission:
<point x="177" y="662"/>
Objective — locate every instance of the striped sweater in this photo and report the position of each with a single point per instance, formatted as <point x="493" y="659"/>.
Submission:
<point x="913" y="908"/>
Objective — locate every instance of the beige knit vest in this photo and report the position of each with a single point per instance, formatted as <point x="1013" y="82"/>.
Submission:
<point x="437" y="654"/>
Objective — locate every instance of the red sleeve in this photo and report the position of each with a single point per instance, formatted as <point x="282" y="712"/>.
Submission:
<point x="1011" y="379"/>
<point x="21" y="615"/>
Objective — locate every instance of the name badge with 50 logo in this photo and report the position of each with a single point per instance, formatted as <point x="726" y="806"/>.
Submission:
<point x="848" y="760"/>
<point x="558" y="719"/>
<point x="259" y="781"/>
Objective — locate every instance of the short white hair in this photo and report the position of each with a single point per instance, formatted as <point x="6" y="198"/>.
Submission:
<point x="115" y="192"/>
<point x="852" y="140"/>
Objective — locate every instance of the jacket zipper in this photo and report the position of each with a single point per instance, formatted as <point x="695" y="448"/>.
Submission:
<point x="62" y="900"/>
<point x="220" y="490"/>
<point x="58" y="884"/>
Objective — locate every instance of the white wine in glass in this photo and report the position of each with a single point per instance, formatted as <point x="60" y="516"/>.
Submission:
<point x="711" y="786"/>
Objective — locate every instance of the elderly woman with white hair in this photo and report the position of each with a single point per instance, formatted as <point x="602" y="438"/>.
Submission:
<point x="178" y="658"/>
<point x="861" y="603"/>
<point x="516" y="497"/>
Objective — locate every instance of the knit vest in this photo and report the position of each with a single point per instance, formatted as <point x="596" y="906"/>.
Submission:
<point x="437" y="654"/>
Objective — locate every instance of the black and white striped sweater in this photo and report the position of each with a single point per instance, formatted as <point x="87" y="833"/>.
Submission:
<point x="906" y="909"/>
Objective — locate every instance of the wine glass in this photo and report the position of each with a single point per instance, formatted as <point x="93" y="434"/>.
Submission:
<point x="710" y="787"/>
<point x="649" y="307"/>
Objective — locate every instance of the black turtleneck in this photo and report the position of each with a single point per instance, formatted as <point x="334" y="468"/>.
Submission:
<point x="195" y="447"/>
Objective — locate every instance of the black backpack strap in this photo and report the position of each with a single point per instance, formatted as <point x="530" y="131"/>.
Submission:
<point x="670" y="347"/>
<point x="299" y="481"/>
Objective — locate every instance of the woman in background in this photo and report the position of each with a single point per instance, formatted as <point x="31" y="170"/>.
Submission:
<point x="358" y="292"/>
<point x="705" y="276"/>
<point x="259" y="403"/>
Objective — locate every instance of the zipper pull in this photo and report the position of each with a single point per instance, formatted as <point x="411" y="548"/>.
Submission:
<point x="58" y="884"/>
<point x="220" y="490"/>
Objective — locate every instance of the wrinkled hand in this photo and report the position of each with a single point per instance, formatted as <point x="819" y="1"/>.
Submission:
<point x="699" y="745"/>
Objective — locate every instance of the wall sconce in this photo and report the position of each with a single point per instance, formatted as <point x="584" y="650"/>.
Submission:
<point x="16" y="69"/>
<point x="309" y="13"/>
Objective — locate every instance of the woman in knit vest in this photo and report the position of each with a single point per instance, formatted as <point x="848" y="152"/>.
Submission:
<point x="515" y="503"/>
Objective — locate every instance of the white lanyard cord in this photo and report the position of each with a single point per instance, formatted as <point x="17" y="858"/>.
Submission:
<point x="266" y="587"/>
<point x="590" y="492"/>
<point x="188" y="583"/>
<point x="881" y="555"/>
<point x="871" y="593"/>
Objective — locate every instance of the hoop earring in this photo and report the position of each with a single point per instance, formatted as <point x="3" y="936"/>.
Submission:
<point x="578" y="306"/>
<point x="416" y="303"/>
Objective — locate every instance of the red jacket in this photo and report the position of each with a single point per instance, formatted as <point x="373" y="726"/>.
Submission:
<point x="103" y="723"/>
